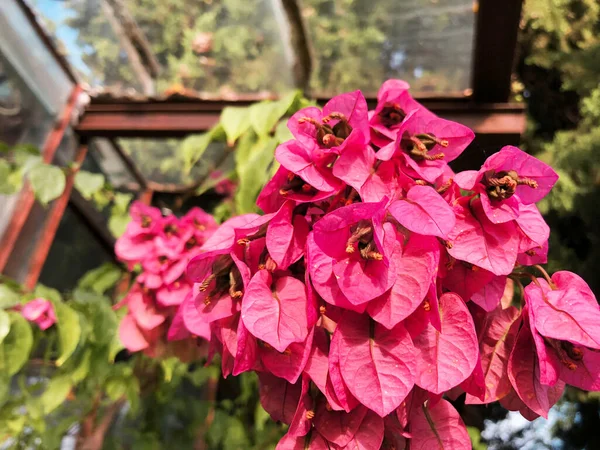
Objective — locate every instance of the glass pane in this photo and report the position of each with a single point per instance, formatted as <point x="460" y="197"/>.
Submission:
<point x="28" y="57"/>
<point x="161" y="160"/>
<point x="360" y="43"/>
<point x="107" y="160"/>
<point x="215" y="47"/>
<point x="74" y="251"/>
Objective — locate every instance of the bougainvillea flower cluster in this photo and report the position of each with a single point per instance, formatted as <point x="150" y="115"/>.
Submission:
<point x="160" y="248"/>
<point x="378" y="285"/>
<point x="39" y="311"/>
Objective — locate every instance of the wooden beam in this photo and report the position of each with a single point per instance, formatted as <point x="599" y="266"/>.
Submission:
<point x="494" y="53"/>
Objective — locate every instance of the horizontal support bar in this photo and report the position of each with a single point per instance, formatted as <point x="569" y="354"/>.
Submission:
<point x="177" y="119"/>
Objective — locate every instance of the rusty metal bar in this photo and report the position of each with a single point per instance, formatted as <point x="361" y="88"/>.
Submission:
<point x="51" y="224"/>
<point x="146" y="196"/>
<point x="26" y="196"/>
<point x="178" y="119"/>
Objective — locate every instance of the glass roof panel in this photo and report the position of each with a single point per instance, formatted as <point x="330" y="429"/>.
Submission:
<point x="357" y="44"/>
<point x="160" y="160"/>
<point x="25" y="57"/>
<point x="163" y="46"/>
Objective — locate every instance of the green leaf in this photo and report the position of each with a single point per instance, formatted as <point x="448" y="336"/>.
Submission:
<point x="6" y="187"/>
<point x="118" y="224"/>
<point x="8" y="297"/>
<point x="99" y="314"/>
<point x="101" y="279"/>
<point x="47" y="182"/>
<point x="244" y="149"/>
<point x="264" y="116"/>
<point x="253" y="175"/>
<point x="192" y="149"/>
<point x="169" y="366"/>
<point x="17" y="344"/>
<point x="26" y="149"/>
<point x="27" y="161"/>
<point x="4" y="324"/>
<point x="47" y="293"/>
<point x="235" y="438"/>
<point x="88" y="183"/>
<point x="82" y="368"/>
<point x="235" y="121"/>
<point x="116" y="387"/>
<point x="69" y="331"/>
<point x="4" y="147"/>
<point x="121" y="202"/>
<point x="282" y="132"/>
<point x="56" y="392"/>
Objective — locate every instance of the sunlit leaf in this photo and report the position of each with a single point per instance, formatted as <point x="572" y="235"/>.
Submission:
<point x="4" y="325"/>
<point x="55" y="393"/>
<point x="88" y="183"/>
<point x="8" y="297"/>
<point x="47" y="182"/>
<point x="253" y="175"/>
<point x="17" y="344"/>
<point x="235" y="121"/>
<point x="69" y="331"/>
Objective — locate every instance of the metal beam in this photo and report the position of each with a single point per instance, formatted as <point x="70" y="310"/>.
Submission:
<point x="42" y="247"/>
<point x="494" y="54"/>
<point x="178" y="119"/>
<point x="26" y="197"/>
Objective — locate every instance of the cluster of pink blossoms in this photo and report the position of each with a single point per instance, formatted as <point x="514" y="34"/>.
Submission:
<point x="372" y="287"/>
<point x="161" y="248"/>
<point x="39" y="311"/>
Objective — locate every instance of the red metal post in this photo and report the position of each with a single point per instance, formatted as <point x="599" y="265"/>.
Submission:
<point x="26" y="197"/>
<point x="52" y="222"/>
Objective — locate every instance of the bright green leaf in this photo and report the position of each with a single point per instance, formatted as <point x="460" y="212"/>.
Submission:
<point x="56" y="392"/>
<point x="99" y="314"/>
<point x="6" y="187"/>
<point x="101" y="279"/>
<point x="82" y="368"/>
<point x="282" y="132"/>
<point x="88" y="183"/>
<point x="264" y="116"/>
<point x="253" y="175"/>
<point x="47" y="182"/>
<point x="69" y="331"/>
<point x="117" y="224"/>
<point x="192" y="149"/>
<point x="234" y="121"/>
<point x="116" y="387"/>
<point x="4" y="324"/>
<point x="47" y="293"/>
<point x="8" y="297"/>
<point x="121" y="202"/>
<point x="17" y="344"/>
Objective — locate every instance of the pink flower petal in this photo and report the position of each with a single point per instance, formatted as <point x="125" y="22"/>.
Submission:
<point x="275" y="314"/>
<point x="446" y="359"/>
<point x="377" y="364"/>
<point x="423" y="211"/>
